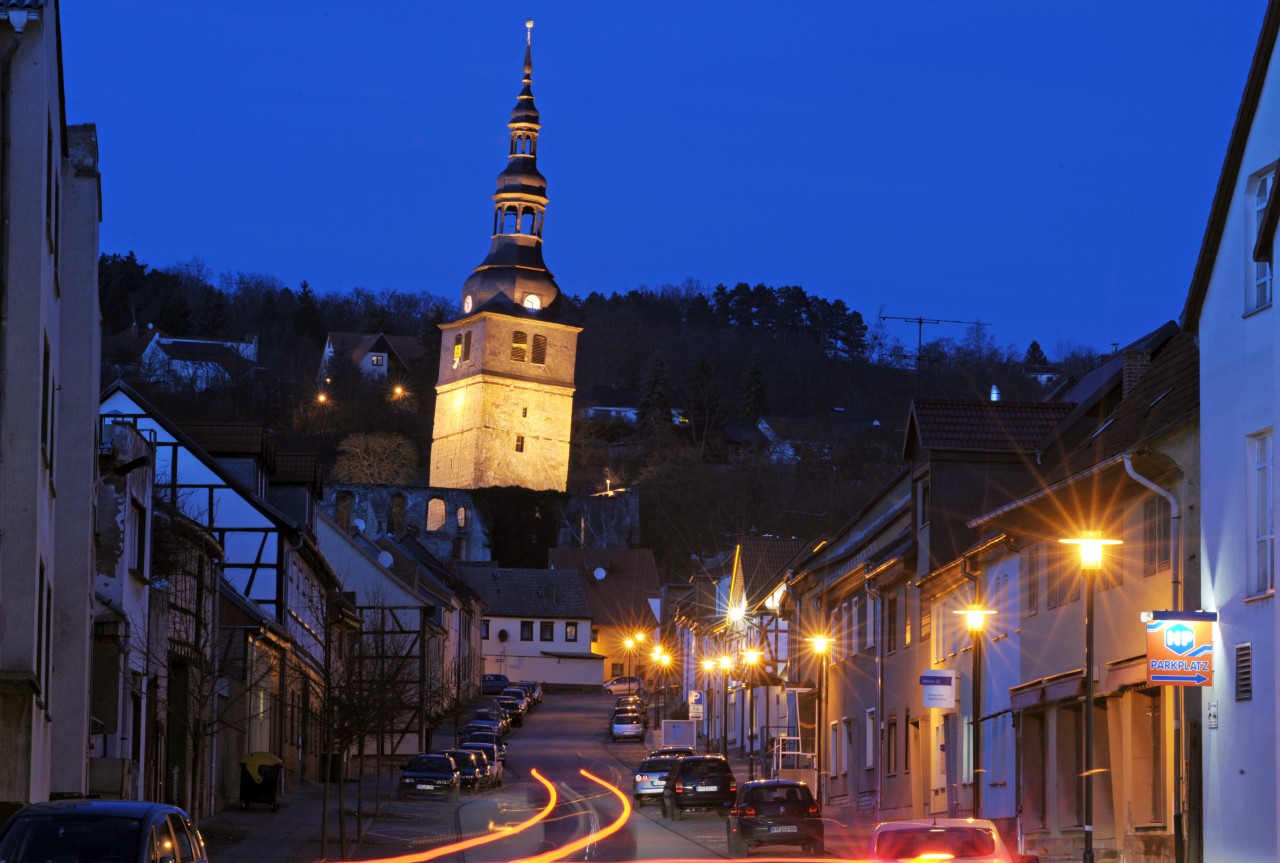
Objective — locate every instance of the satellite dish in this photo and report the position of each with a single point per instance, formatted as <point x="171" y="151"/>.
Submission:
<point x="385" y="558"/>
<point x="502" y="635"/>
<point x="599" y="573"/>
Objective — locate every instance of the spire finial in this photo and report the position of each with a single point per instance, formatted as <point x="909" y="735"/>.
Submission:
<point x="528" y="36"/>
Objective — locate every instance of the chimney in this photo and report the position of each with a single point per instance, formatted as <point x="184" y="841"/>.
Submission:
<point x="1136" y="363"/>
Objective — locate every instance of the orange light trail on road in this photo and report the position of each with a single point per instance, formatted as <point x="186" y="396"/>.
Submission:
<point x="500" y="833"/>
<point x="578" y="844"/>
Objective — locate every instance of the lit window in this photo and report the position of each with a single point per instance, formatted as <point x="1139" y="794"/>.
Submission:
<point x="571" y="632"/>
<point x="377" y="359"/>
<point x="519" y="347"/>
<point x="1261" y="188"/>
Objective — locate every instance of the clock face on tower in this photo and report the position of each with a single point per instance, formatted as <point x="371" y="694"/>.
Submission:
<point x="466" y="303"/>
<point x="533" y="302"/>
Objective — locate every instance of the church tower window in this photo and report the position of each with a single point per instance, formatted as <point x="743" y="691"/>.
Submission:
<point x="539" y="350"/>
<point x="519" y="347"/>
<point x="519" y="443"/>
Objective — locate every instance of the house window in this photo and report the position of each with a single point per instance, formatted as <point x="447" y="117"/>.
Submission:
<point x="1156" y="525"/>
<point x="924" y="503"/>
<point x="519" y="347"/>
<point x="1261" y="522"/>
<point x="939" y="639"/>
<point x="595" y="639"/>
<point x="47" y="390"/>
<point x="615" y="669"/>
<point x="377" y="360"/>
<point x="484" y="628"/>
<point x="546" y="631"/>
<point x="1260" y="189"/>
<point x="891" y="624"/>
<point x="906" y="752"/>
<point x="891" y="747"/>
<point x="833" y="742"/>
<point x="519" y="443"/>
<point x="526" y="630"/>
<point x="939" y="759"/>
<point x="137" y="538"/>
<point x="873" y="607"/>
<point x="871" y="742"/>
<point x="461" y="347"/>
<point x="1031" y="578"/>
<point x="571" y="632"/>
<point x="539" y="350"/>
<point x="466" y="345"/>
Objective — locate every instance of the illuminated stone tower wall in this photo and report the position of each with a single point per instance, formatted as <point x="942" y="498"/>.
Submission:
<point x="504" y="398"/>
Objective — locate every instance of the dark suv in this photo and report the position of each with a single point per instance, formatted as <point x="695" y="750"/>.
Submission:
<point x="698" y="782"/>
<point x="774" y="812"/>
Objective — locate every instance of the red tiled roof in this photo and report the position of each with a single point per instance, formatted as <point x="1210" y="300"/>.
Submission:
<point x="982" y="426"/>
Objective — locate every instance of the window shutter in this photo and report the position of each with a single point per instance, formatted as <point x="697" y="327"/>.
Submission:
<point x="519" y="347"/>
<point x="539" y="350"/>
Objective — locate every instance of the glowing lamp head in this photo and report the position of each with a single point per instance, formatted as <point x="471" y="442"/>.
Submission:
<point x="751" y="657"/>
<point x="322" y="398"/>
<point x="820" y="643"/>
<point x="975" y="619"/>
<point x="708" y="665"/>
<point x="665" y="660"/>
<point x="629" y="643"/>
<point x="726" y="663"/>
<point x="736" y="613"/>
<point x="1091" y="544"/>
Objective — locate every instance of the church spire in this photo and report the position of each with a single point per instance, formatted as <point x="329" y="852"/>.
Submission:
<point x="514" y="266"/>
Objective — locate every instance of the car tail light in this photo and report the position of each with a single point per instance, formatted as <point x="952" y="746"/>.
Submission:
<point x="813" y="808"/>
<point x="679" y="787"/>
<point x="749" y="811"/>
<point x="733" y="785"/>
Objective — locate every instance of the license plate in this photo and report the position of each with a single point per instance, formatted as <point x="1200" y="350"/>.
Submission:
<point x="787" y="828"/>
<point x="660" y="782"/>
<point x="706" y="788"/>
<point x="424" y="787"/>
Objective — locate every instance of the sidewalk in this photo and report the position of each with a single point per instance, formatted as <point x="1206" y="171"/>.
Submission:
<point x="292" y="834"/>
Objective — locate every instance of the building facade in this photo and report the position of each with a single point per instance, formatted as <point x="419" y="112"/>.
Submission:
<point x="50" y="207"/>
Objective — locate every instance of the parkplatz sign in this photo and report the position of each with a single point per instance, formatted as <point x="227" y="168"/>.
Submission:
<point x="1180" y="648"/>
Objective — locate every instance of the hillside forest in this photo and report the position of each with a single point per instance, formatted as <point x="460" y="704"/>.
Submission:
<point x="702" y="365"/>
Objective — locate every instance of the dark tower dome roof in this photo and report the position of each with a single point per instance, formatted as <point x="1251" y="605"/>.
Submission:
<point x="514" y="266"/>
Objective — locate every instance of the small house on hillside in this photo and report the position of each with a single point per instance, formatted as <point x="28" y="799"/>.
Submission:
<point x="376" y="355"/>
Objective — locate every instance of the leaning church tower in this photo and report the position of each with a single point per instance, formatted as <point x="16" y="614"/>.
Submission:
<point x="504" y="397"/>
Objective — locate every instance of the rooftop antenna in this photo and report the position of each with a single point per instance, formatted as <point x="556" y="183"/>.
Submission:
<point x="920" y="322"/>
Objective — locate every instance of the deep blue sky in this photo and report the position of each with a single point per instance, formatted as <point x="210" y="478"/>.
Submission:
<point x="1046" y="167"/>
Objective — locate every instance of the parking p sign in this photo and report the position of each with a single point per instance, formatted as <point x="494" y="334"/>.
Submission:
<point x="696" y="703"/>
<point x="1180" y="649"/>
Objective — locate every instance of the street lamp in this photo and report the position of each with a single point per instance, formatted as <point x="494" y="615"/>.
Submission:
<point x="975" y="619"/>
<point x="726" y="663"/>
<point x="629" y="644"/>
<point x="664" y="662"/>
<point x="751" y="658"/>
<point x="1091" y="543"/>
<point x="820" y="645"/>
<point x="709" y="666"/>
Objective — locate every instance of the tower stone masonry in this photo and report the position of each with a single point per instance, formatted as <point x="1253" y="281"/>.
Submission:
<point x="504" y="397"/>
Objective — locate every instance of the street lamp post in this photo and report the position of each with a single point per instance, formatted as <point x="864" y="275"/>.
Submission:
<point x="1091" y="543"/>
<point x="725" y="664"/>
<point x="709" y="666"/>
<point x="975" y="620"/>
<point x="820" y="643"/>
<point x="630" y="645"/>
<point x="750" y="659"/>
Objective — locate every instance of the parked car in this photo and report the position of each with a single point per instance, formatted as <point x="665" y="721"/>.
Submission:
<point x="534" y="688"/>
<point x="430" y="774"/>
<point x="494" y="717"/>
<point x="651" y="778"/>
<point x="955" y="839"/>
<point x="673" y="752"/>
<point x="492" y="755"/>
<point x="624" y="686"/>
<point x="626" y="725"/>
<point x="631" y="711"/>
<point x="472" y="771"/>
<point x="515" y="710"/>
<point x="774" y="812"/>
<point x="485" y="735"/>
<point x="519" y="694"/>
<point x="128" y="831"/>
<point x="492" y="684"/>
<point x="698" y="782"/>
<point x="633" y="701"/>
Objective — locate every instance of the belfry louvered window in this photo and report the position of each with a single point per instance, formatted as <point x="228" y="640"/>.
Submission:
<point x="539" y="350"/>
<point x="519" y="347"/>
<point x="1244" y="672"/>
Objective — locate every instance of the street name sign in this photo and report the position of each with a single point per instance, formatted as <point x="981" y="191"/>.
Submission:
<point x="1180" y="648"/>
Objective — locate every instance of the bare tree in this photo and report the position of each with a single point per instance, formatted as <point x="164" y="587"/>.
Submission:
<point x="376" y="457"/>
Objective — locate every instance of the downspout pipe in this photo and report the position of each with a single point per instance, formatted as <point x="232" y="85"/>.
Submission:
<point x="879" y="636"/>
<point x="1179" y="695"/>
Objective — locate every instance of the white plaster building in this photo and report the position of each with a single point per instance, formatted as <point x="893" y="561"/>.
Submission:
<point x="50" y="207"/>
<point x="1231" y="309"/>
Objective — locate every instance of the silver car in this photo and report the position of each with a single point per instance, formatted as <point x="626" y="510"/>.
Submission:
<point x="650" y="778"/>
<point x="626" y="725"/>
